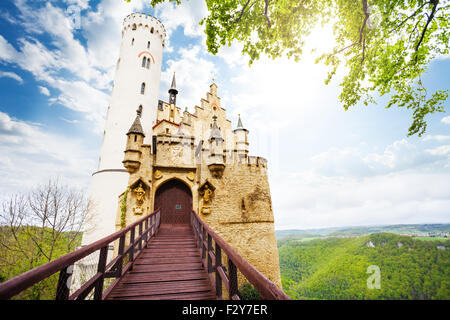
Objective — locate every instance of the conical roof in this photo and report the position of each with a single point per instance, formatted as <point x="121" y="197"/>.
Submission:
<point x="215" y="131"/>
<point x="173" y="86"/>
<point x="136" y="127"/>
<point x="239" y="125"/>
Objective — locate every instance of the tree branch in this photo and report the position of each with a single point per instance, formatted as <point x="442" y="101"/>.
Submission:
<point x="361" y="32"/>
<point x="265" y="13"/>
<point x="242" y="12"/>
<point x="430" y="17"/>
<point x="412" y="15"/>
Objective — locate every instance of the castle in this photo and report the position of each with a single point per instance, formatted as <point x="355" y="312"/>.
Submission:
<point x="154" y="155"/>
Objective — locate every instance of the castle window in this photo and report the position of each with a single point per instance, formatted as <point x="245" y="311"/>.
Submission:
<point x="151" y="30"/>
<point x="139" y="110"/>
<point x="142" y="87"/>
<point x="143" y="62"/>
<point x="148" y="63"/>
<point x="134" y="26"/>
<point x="135" y="137"/>
<point x="148" y="45"/>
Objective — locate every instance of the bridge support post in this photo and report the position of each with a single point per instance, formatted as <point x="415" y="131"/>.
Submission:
<point x="232" y="275"/>
<point x="63" y="289"/>
<point x="216" y="267"/>
<point x="101" y="269"/>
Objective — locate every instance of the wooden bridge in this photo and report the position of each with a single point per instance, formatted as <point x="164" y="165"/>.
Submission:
<point x="154" y="261"/>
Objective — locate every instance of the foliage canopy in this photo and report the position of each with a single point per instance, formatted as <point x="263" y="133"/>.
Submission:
<point x="384" y="45"/>
<point x="336" y="268"/>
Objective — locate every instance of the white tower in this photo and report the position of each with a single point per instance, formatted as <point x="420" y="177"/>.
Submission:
<point x="136" y="87"/>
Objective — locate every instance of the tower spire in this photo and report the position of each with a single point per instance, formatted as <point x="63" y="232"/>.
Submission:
<point x="136" y="127"/>
<point x="239" y="124"/>
<point x="173" y="91"/>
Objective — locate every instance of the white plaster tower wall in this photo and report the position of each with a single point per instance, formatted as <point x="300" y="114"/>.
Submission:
<point x="139" y="63"/>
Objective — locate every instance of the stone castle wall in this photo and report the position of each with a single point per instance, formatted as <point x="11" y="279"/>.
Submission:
<point x="240" y="209"/>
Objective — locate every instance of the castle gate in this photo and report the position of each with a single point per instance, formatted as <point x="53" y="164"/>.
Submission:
<point x="174" y="199"/>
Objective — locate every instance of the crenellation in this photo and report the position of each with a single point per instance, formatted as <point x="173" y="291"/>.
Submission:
<point x="134" y="22"/>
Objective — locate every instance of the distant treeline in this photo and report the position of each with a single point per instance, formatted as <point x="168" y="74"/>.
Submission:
<point x="363" y="230"/>
<point x="337" y="268"/>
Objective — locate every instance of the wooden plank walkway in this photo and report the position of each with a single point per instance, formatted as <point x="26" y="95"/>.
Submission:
<point x="170" y="268"/>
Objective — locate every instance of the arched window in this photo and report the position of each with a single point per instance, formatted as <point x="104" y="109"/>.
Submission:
<point x="143" y="88"/>
<point x="132" y="41"/>
<point x="134" y="26"/>
<point x="143" y="61"/>
<point x="139" y="111"/>
<point x="151" y="30"/>
<point x="148" y="63"/>
<point x="148" y="45"/>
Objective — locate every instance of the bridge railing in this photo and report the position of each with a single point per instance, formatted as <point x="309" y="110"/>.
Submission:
<point x="228" y="276"/>
<point x="131" y="242"/>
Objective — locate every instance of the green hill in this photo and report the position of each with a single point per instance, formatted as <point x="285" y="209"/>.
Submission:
<point x="336" y="268"/>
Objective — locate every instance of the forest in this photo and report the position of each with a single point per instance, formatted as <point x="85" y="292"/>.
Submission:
<point x="340" y="268"/>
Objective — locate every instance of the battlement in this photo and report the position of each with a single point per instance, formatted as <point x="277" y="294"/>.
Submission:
<point x="135" y="21"/>
<point x="257" y="161"/>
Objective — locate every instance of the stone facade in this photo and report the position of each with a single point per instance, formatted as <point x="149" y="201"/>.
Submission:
<point x="199" y="149"/>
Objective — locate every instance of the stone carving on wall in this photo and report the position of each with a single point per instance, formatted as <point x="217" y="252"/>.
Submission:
<point x="216" y="169"/>
<point x="191" y="176"/>
<point x="140" y="194"/>
<point x="157" y="174"/>
<point x="206" y="191"/>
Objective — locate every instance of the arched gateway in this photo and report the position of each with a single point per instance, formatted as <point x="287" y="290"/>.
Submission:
<point x="174" y="198"/>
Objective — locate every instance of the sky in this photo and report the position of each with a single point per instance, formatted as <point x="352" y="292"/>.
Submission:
<point x="327" y="167"/>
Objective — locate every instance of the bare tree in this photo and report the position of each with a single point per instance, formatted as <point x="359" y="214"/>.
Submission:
<point x="40" y="226"/>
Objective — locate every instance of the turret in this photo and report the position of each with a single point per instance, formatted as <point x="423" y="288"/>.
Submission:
<point x="216" y="165"/>
<point x="241" y="141"/>
<point x="135" y="138"/>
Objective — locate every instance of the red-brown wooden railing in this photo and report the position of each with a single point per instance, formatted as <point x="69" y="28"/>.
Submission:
<point x="218" y="274"/>
<point x="148" y="226"/>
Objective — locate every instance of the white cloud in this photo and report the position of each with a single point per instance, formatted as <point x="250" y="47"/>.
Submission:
<point x="81" y="74"/>
<point x="193" y="76"/>
<point x="11" y="75"/>
<point x="44" y="91"/>
<point x="81" y="97"/>
<point x="186" y="15"/>
<point x="69" y="121"/>
<point x="232" y="55"/>
<point x="397" y="156"/>
<point x="7" y="51"/>
<point x="308" y="200"/>
<point x="29" y="155"/>
<point x="82" y="4"/>
<point x="405" y="183"/>
<point x="440" y="151"/>
<point x="446" y="120"/>
<point x="438" y="137"/>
